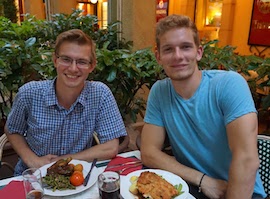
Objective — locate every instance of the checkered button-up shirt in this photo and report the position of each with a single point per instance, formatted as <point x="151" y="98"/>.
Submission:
<point x="51" y="129"/>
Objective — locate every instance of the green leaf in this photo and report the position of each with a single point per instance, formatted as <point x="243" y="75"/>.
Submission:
<point x="30" y="42"/>
<point x="112" y="75"/>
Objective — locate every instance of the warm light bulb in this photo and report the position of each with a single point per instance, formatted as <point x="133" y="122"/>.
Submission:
<point x="93" y="1"/>
<point x="161" y="4"/>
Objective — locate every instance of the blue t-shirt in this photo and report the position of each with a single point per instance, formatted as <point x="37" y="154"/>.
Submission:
<point x="51" y="129"/>
<point x="196" y="127"/>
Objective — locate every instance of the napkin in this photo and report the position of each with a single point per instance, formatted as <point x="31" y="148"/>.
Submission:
<point x="121" y="160"/>
<point x="13" y="190"/>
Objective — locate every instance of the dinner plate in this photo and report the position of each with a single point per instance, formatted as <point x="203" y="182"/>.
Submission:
<point x="170" y="177"/>
<point x="86" y="168"/>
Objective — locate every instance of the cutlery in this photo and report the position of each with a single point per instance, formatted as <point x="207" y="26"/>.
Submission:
<point x="124" y="164"/>
<point x="120" y="171"/>
<point x="89" y="173"/>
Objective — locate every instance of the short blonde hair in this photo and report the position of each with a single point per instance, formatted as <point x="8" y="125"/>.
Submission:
<point x="76" y="36"/>
<point x="176" y="21"/>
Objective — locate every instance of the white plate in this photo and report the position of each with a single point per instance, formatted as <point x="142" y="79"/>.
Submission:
<point x="86" y="168"/>
<point x="170" y="177"/>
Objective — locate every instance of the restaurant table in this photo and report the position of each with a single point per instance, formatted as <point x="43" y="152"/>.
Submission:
<point x="92" y="192"/>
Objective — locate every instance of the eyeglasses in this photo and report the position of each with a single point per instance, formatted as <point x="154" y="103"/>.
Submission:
<point x="67" y="61"/>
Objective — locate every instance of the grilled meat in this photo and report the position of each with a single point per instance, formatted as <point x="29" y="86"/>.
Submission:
<point x="61" y="167"/>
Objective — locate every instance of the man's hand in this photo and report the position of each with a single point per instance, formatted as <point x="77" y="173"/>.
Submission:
<point x="41" y="161"/>
<point x="214" y="188"/>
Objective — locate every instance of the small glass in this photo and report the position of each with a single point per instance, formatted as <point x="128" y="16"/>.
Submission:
<point x="32" y="182"/>
<point x="109" y="185"/>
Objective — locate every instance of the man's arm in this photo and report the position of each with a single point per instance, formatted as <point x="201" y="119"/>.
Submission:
<point x="151" y="151"/>
<point x="242" y="137"/>
<point x="152" y="156"/>
<point x="19" y="144"/>
<point x="106" y="150"/>
<point x="103" y="151"/>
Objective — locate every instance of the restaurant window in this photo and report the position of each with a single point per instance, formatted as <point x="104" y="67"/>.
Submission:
<point x="95" y="7"/>
<point x="208" y="18"/>
<point x="88" y="6"/>
<point x="104" y="17"/>
<point x="213" y="13"/>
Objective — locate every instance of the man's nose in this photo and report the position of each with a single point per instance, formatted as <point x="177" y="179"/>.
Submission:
<point x="178" y="53"/>
<point x="73" y="65"/>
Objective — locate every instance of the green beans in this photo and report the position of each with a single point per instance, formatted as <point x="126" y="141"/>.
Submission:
<point x="57" y="182"/>
<point x="179" y="188"/>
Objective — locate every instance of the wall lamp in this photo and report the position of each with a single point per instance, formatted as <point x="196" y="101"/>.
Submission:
<point x="93" y="1"/>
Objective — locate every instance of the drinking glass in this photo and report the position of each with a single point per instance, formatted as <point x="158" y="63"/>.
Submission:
<point x="109" y="185"/>
<point x="32" y="182"/>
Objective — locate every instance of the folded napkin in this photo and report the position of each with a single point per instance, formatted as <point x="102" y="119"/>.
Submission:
<point x="121" y="160"/>
<point x="13" y="190"/>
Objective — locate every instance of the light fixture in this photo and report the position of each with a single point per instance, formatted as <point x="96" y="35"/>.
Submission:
<point x="161" y="4"/>
<point x="93" y="1"/>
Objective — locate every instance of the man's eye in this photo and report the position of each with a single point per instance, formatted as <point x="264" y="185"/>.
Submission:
<point x="66" y="59"/>
<point x="167" y="50"/>
<point x="82" y="62"/>
<point x="186" y="47"/>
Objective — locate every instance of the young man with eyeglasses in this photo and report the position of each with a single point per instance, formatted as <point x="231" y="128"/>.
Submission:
<point x="208" y="115"/>
<point x="56" y="119"/>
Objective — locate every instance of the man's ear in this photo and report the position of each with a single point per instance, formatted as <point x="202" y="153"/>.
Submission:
<point x="157" y="55"/>
<point x="199" y="53"/>
<point x="54" y="59"/>
<point x="92" y="66"/>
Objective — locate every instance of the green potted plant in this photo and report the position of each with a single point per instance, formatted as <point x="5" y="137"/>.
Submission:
<point x="26" y="51"/>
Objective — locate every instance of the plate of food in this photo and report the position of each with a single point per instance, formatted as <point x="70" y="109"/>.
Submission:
<point x="153" y="183"/>
<point x="65" y="177"/>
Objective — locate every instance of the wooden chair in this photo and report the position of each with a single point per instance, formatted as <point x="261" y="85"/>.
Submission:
<point x="3" y="142"/>
<point x="96" y="139"/>
<point x="264" y="155"/>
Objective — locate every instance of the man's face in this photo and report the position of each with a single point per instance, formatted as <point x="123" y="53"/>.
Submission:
<point x="178" y="53"/>
<point x="73" y="75"/>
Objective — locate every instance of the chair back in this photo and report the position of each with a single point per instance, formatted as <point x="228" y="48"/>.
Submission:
<point x="3" y="142"/>
<point x="95" y="139"/>
<point x="264" y="155"/>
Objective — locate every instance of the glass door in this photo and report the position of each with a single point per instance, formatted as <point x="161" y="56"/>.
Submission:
<point x="208" y="18"/>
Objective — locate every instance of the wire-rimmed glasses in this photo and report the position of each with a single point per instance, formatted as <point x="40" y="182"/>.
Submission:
<point x="67" y="61"/>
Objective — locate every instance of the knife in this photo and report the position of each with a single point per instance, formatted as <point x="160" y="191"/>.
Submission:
<point x="89" y="173"/>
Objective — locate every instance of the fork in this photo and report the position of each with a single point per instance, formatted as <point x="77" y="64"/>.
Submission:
<point x="120" y="171"/>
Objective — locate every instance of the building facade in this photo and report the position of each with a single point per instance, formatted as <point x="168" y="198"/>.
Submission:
<point x="225" y="20"/>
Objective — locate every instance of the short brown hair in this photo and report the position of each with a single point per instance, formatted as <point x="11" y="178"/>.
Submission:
<point x="176" y="21"/>
<point x="76" y="36"/>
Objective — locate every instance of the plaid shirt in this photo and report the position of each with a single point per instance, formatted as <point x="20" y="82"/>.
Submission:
<point x="51" y="129"/>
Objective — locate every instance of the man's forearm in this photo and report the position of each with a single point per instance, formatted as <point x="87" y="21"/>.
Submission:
<point x="241" y="179"/>
<point x="104" y="151"/>
<point x="19" y="144"/>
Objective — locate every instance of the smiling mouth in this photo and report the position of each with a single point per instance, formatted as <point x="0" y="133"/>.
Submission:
<point x="179" y="66"/>
<point x="72" y="76"/>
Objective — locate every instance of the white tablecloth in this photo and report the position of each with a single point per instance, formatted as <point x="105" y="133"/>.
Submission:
<point x="91" y="193"/>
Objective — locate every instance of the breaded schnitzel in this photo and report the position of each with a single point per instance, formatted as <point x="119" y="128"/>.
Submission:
<point x="154" y="186"/>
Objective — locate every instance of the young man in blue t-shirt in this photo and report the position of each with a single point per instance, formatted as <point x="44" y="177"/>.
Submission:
<point x="209" y="117"/>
